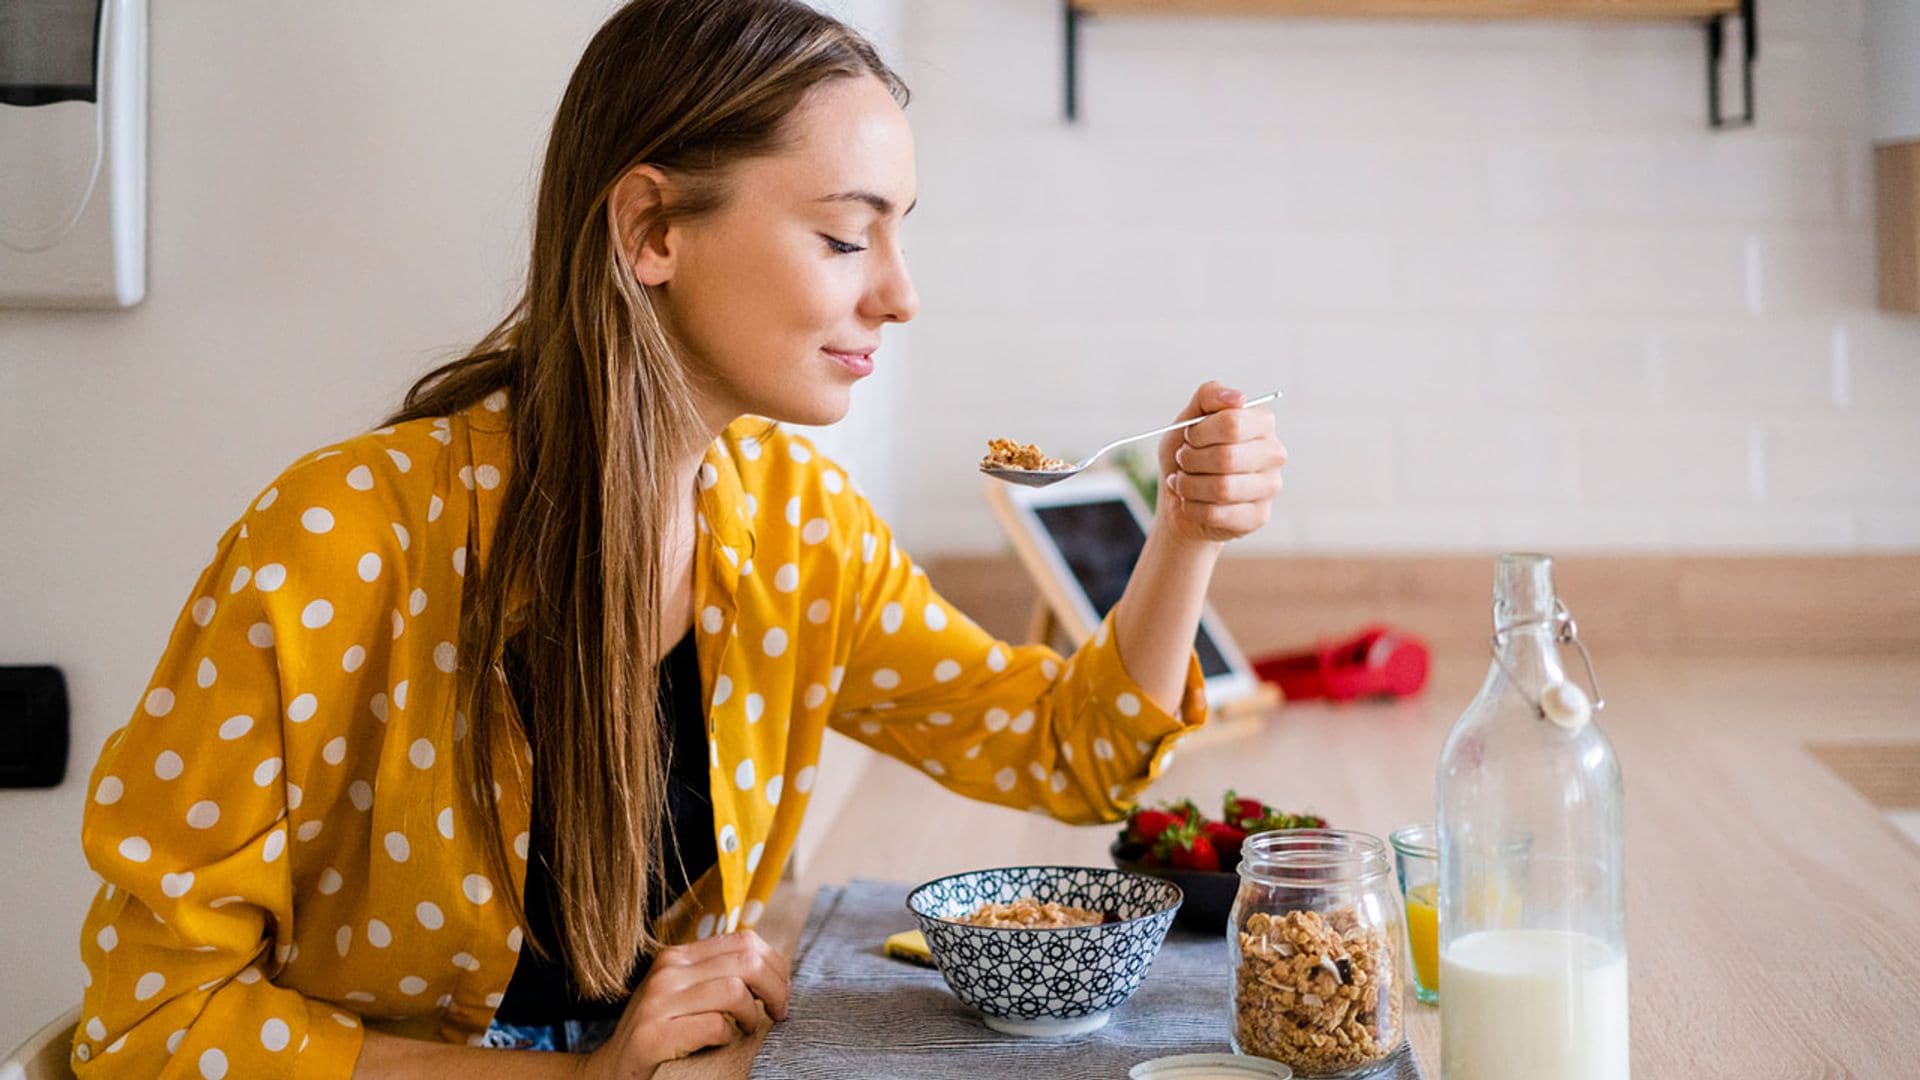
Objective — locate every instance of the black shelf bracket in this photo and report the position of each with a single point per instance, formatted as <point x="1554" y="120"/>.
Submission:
<point x="1073" y="17"/>
<point x="1716" y="52"/>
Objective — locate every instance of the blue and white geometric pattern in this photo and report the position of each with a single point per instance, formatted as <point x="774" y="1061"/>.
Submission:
<point x="1057" y="974"/>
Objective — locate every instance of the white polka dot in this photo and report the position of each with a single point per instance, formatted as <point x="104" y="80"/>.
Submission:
<point x="369" y="566"/>
<point x="335" y="751"/>
<point x="417" y="602"/>
<point x="774" y="788"/>
<point x="832" y="481"/>
<point x="401" y="534"/>
<point x="400" y="694"/>
<point x="495" y="401"/>
<point x="1128" y="704"/>
<point x="207" y="673"/>
<point x="360" y="478"/>
<point x="933" y="768"/>
<point x="886" y="678"/>
<point x="397" y="847"/>
<point x="818" y="611"/>
<point x="236" y="726"/>
<point x="443" y="821"/>
<point x="429" y="915"/>
<point x="816" y="696"/>
<point x="1004" y="779"/>
<point x="412" y="984"/>
<point x="1100" y="635"/>
<point x="1166" y="761"/>
<point x="109" y="940"/>
<point x="95" y="1031"/>
<point x="241" y="576"/>
<point x="109" y="791"/>
<point x="400" y="460"/>
<point x="787" y="578"/>
<point x="750" y="914"/>
<point x="274" y="1035"/>
<point x="466" y="477"/>
<point x="317" y="519"/>
<point x="378" y="935"/>
<point x="815" y="531"/>
<point x="869" y="544"/>
<point x="798" y="451"/>
<point x="1059" y="782"/>
<point x="946" y="671"/>
<point x="316" y="615"/>
<point x="434" y="506"/>
<point x="891" y="617"/>
<point x="1103" y="749"/>
<point x="1023" y="723"/>
<point x="168" y="765"/>
<point x="204" y="814"/>
<point x="478" y="888"/>
<point x="270" y="577"/>
<point x="150" y="984"/>
<point x="996" y="660"/>
<point x="275" y="845"/>
<point x="729" y="839"/>
<point x="520" y="845"/>
<point x="870" y="727"/>
<point x="361" y="793"/>
<point x="399" y="624"/>
<point x="722" y="690"/>
<point x="514" y="938"/>
<point x="377" y="705"/>
<point x="302" y="708"/>
<point x="997" y="720"/>
<point x="705" y="929"/>
<point x="260" y="635"/>
<point x="743" y="775"/>
<point x="421" y="753"/>
<point x="330" y="881"/>
<point x="775" y="642"/>
<point x="213" y="1065"/>
<point x="711" y="620"/>
<point x="488" y="476"/>
<point x="465" y="961"/>
<point x="753" y="857"/>
<point x="709" y="475"/>
<point x="308" y="830"/>
<point x="266" y="501"/>
<point x="756" y="707"/>
<point x="265" y="772"/>
<point x="203" y="609"/>
<point x="793" y="511"/>
<point x="803" y="780"/>
<point x="351" y="660"/>
<point x="159" y="702"/>
<point x="1037" y="771"/>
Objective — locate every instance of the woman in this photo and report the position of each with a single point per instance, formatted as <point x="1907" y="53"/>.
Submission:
<point x="494" y="726"/>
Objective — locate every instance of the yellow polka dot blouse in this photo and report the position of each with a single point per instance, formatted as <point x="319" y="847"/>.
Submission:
<point x="285" y="853"/>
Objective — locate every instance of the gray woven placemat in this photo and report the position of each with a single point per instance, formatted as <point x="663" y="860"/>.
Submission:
<point x="857" y="1012"/>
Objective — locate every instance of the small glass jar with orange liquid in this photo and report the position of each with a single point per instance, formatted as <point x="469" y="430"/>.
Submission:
<point x="1416" y="857"/>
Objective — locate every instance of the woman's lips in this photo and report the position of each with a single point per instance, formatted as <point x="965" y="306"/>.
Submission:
<point x="860" y="363"/>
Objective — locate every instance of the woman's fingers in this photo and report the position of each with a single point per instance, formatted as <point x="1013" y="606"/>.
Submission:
<point x="759" y="966"/>
<point x="1244" y="457"/>
<point x="1227" y="489"/>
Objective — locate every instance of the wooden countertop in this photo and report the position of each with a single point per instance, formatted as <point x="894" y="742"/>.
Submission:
<point x="1773" y="911"/>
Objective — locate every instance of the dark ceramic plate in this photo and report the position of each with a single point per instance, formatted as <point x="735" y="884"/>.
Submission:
<point x="1209" y="894"/>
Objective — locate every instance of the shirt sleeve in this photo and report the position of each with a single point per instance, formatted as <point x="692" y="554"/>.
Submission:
<point x="1017" y="725"/>
<point x="186" y="823"/>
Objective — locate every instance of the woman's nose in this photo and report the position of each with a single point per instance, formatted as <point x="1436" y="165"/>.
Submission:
<point x="893" y="298"/>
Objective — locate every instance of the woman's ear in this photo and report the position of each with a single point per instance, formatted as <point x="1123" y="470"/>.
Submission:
<point x="633" y="214"/>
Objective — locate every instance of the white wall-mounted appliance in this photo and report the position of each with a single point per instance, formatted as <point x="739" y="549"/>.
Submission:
<point x="73" y="153"/>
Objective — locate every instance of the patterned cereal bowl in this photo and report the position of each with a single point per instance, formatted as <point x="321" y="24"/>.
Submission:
<point x="1053" y="981"/>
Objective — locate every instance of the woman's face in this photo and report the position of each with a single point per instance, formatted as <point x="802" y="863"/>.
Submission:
<point x="777" y="299"/>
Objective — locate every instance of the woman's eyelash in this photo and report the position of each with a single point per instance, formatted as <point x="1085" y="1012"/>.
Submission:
<point x="841" y="247"/>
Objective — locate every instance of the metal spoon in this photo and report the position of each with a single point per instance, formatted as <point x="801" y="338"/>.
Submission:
<point x="1043" y="477"/>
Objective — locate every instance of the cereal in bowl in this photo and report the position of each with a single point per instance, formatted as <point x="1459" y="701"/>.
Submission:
<point x="1027" y="913"/>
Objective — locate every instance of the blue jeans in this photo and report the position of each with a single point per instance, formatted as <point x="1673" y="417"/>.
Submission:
<point x="571" y="1036"/>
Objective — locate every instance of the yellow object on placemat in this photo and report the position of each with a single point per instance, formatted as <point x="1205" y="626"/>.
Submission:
<point x="911" y="946"/>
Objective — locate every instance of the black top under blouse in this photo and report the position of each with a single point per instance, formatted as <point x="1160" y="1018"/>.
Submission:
<point x="543" y="991"/>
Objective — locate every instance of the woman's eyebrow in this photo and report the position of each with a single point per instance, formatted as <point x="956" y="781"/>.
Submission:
<point x="879" y="202"/>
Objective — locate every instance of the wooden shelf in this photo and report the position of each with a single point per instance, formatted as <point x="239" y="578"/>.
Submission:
<point x="1711" y="14"/>
<point x="1417" y="9"/>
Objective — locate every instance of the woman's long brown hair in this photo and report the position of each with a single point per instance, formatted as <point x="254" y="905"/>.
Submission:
<point x="601" y="412"/>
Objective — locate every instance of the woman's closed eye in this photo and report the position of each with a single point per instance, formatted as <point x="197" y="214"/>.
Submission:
<point x="840" y="247"/>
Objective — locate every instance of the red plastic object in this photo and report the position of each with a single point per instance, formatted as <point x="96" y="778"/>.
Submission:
<point x="1379" y="661"/>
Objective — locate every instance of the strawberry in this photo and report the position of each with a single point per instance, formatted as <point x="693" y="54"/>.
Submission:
<point x="1240" y="809"/>
<point x="1279" y="819"/>
<point x="1144" y="826"/>
<point x="1187" y="847"/>
<point x="1226" y="837"/>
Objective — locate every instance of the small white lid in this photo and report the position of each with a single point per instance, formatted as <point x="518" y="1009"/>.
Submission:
<point x="1210" y="1067"/>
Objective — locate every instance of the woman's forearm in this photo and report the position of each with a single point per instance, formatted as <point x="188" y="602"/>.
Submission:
<point x="1156" y="619"/>
<point x="390" y="1057"/>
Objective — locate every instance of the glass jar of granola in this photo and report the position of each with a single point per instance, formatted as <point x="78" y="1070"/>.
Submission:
<point x="1316" y="936"/>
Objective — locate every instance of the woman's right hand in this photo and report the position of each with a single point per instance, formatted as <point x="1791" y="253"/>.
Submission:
<point x="705" y="994"/>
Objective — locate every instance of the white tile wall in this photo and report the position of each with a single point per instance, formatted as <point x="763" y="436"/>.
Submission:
<point x="1515" y="289"/>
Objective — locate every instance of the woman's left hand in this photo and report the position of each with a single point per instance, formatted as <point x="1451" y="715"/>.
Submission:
<point x="1219" y="476"/>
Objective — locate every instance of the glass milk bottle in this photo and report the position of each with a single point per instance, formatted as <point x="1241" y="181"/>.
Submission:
<point x="1533" y="930"/>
